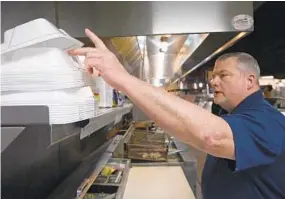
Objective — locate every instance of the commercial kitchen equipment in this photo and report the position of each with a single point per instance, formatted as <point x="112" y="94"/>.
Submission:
<point x="158" y="42"/>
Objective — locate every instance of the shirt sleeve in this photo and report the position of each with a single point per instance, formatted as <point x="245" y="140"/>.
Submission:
<point x="258" y="139"/>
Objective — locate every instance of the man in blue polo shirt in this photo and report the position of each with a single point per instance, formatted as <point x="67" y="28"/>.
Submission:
<point x="246" y="143"/>
<point x="258" y="170"/>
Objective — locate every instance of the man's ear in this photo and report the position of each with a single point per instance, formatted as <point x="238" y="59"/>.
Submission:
<point x="251" y="79"/>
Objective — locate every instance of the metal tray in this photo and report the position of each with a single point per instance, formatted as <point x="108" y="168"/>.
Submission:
<point x="145" y="138"/>
<point x="149" y="146"/>
<point x="150" y="154"/>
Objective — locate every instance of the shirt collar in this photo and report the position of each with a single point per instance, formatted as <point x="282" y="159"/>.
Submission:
<point x="246" y="103"/>
<point x="251" y="100"/>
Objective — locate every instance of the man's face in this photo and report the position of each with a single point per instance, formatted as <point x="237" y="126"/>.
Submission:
<point x="229" y="84"/>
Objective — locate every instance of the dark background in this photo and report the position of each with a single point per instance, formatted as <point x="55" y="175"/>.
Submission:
<point x="266" y="43"/>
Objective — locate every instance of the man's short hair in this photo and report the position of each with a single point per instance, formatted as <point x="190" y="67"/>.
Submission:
<point x="244" y="61"/>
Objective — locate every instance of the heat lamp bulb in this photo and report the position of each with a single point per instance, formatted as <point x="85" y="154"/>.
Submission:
<point x="163" y="47"/>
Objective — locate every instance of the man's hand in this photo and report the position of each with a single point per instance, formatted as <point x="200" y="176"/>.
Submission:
<point x="101" y="60"/>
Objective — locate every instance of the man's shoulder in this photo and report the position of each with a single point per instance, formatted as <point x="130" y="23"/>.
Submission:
<point x="273" y="114"/>
<point x="262" y="116"/>
<point x="263" y="109"/>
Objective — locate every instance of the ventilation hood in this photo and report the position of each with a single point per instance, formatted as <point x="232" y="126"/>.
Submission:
<point x="162" y="63"/>
<point x="171" y="39"/>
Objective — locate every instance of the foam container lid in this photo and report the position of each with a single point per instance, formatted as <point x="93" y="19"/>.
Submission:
<point x="37" y="33"/>
<point x="38" y="59"/>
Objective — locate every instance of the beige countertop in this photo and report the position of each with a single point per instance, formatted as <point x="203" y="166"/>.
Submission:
<point x="155" y="182"/>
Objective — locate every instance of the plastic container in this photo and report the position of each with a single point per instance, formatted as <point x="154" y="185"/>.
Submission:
<point x="37" y="33"/>
<point x="105" y="92"/>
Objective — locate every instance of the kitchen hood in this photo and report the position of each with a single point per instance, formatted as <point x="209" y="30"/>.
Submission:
<point x="171" y="39"/>
<point x="166" y="59"/>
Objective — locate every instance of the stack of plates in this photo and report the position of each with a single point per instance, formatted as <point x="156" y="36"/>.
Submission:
<point x="36" y="70"/>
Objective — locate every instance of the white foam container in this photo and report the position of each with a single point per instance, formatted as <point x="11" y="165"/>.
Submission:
<point x="38" y="59"/>
<point x="65" y="106"/>
<point x="36" y="70"/>
<point x="37" y="33"/>
<point x="31" y="69"/>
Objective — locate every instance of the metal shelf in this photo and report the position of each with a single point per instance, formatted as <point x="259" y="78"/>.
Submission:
<point x="105" y="116"/>
<point x="28" y="117"/>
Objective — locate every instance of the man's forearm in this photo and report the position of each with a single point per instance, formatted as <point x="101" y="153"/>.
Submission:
<point x="184" y="120"/>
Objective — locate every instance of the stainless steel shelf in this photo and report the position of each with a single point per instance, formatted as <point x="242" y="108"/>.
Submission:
<point x="105" y="117"/>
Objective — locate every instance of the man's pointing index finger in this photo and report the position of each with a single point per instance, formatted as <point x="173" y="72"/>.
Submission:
<point x="96" y="40"/>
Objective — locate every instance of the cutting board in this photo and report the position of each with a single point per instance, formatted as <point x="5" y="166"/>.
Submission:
<point x="157" y="182"/>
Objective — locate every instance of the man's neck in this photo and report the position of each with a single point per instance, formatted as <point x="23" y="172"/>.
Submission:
<point x="242" y="98"/>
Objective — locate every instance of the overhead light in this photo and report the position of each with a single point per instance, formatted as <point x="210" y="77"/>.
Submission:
<point x="163" y="46"/>
<point x="267" y="77"/>
<point x="141" y="42"/>
<point x="181" y="85"/>
<point x="164" y="38"/>
<point x="281" y="84"/>
<point x="164" y="43"/>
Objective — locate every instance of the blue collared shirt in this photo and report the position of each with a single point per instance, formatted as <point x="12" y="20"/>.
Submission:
<point x="259" y="169"/>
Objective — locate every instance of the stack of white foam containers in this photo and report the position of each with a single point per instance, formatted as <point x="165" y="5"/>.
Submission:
<point x="37" y="70"/>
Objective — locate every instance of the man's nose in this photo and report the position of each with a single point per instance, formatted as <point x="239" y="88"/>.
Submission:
<point x="214" y="81"/>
